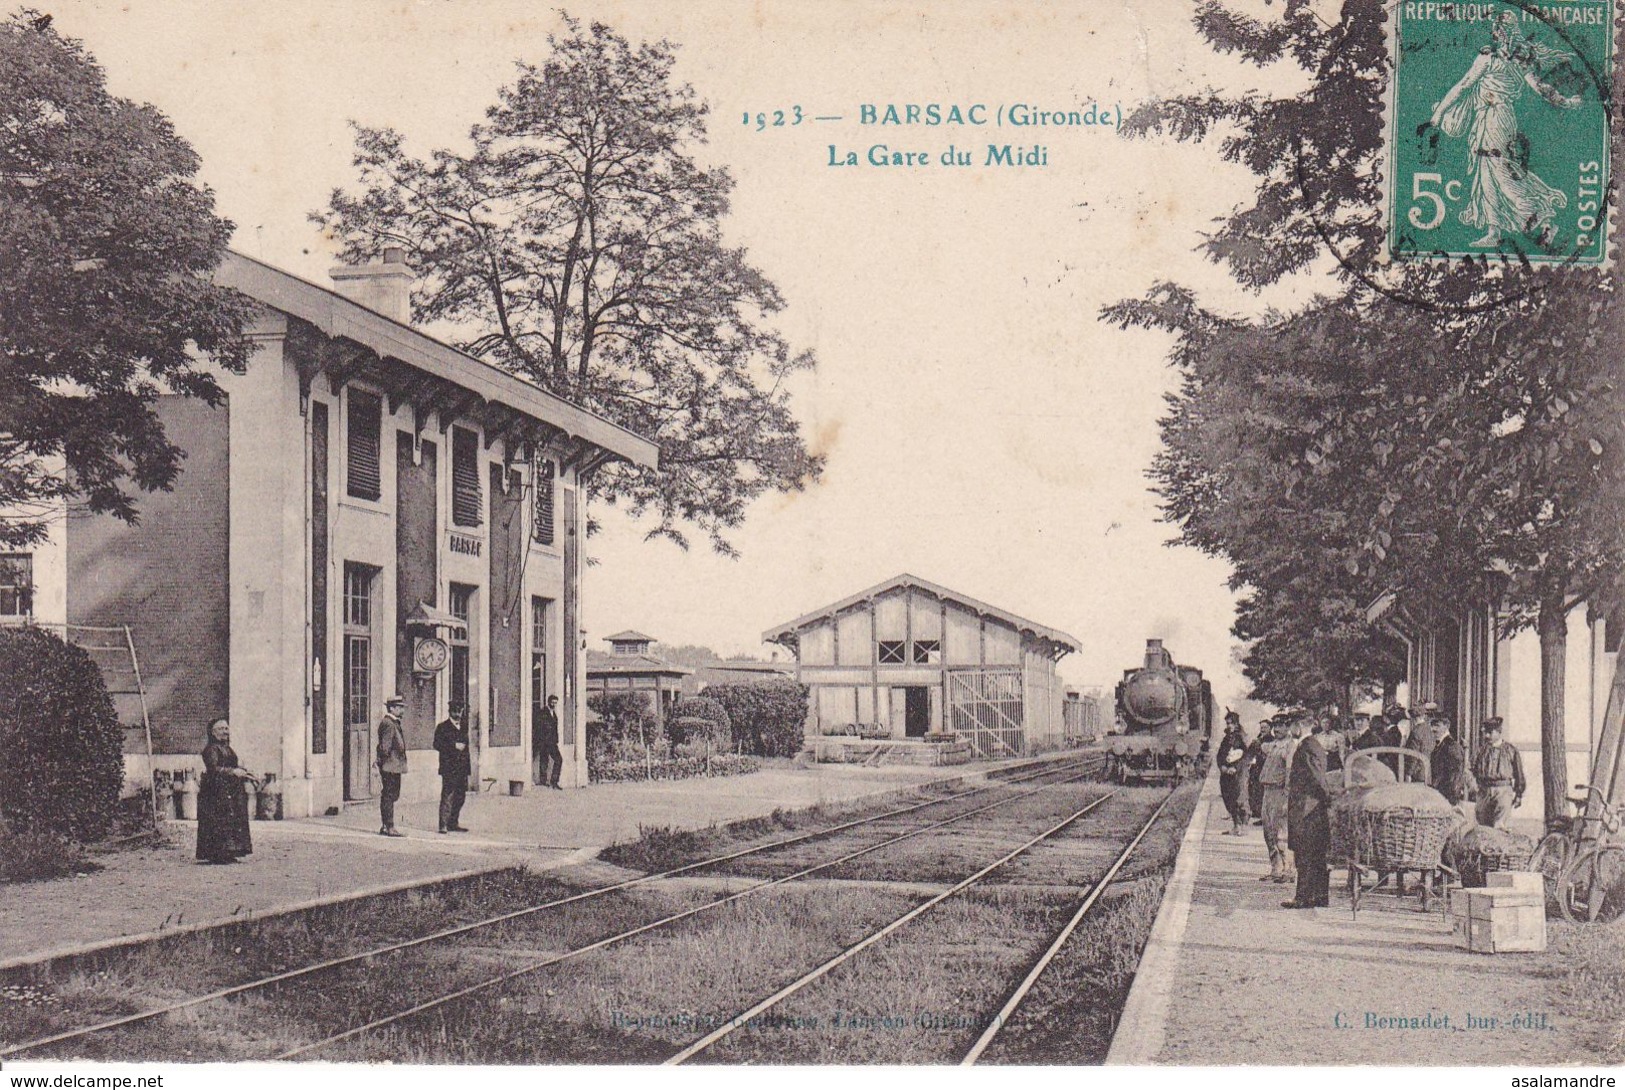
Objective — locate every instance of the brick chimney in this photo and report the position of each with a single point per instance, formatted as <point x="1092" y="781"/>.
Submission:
<point x="384" y="286"/>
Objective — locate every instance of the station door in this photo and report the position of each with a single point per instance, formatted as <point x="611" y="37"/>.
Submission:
<point x="985" y="709"/>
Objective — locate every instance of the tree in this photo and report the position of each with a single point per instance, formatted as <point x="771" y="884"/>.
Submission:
<point x="108" y="245"/>
<point x="1450" y="432"/>
<point x="579" y="244"/>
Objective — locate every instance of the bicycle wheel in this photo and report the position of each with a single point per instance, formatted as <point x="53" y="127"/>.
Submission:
<point x="1550" y="860"/>
<point x="1592" y="888"/>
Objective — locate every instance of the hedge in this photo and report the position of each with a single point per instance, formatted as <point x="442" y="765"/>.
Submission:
<point x="674" y="768"/>
<point x="718" y="726"/>
<point x="769" y="718"/>
<point x="61" y="746"/>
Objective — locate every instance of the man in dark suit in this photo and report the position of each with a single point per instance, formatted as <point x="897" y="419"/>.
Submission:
<point x="1309" y="829"/>
<point x="451" y="742"/>
<point x="1423" y="738"/>
<point x="1232" y="773"/>
<point x="1367" y="732"/>
<point x="1254" y="760"/>
<point x="546" y="745"/>
<point x="1449" y="765"/>
<point x="1392" y="736"/>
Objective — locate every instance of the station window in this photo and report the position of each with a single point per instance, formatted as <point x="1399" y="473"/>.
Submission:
<point x="462" y="607"/>
<point x="927" y="652"/>
<point x="358" y="595"/>
<point x="16" y="585"/>
<point x="890" y="651"/>
<point x="364" y="423"/>
<point x="358" y="580"/>
<point x="545" y="484"/>
<point x="465" y="478"/>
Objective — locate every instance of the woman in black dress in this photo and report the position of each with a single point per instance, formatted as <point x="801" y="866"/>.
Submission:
<point x="222" y="801"/>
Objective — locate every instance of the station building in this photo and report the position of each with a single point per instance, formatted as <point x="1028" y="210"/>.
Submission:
<point x="908" y="658"/>
<point x="370" y="511"/>
<point x="1468" y="665"/>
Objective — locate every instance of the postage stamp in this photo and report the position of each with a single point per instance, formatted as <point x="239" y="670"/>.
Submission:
<point x="1498" y="130"/>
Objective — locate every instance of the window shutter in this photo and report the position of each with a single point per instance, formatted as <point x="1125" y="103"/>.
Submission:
<point x="361" y="465"/>
<point x="465" y="478"/>
<point x="543" y="530"/>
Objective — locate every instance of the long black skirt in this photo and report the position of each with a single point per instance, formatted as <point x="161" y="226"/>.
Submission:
<point x="222" y="819"/>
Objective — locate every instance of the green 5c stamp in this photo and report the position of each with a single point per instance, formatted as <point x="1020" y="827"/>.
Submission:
<point x="1498" y="130"/>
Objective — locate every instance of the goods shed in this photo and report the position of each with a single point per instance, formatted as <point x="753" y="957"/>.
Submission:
<point x="909" y="659"/>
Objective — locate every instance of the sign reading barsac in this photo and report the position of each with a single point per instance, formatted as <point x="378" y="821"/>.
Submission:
<point x="1498" y="130"/>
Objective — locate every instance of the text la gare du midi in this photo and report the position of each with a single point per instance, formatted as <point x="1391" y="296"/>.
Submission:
<point x="1018" y="115"/>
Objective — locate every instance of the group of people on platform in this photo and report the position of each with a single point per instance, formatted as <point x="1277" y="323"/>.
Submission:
<point x="1280" y="779"/>
<point x="451" y="743"/>
<point x="222" y="820"/>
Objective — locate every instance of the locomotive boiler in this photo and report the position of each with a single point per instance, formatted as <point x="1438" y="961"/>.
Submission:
<point x="1165" y="713"/>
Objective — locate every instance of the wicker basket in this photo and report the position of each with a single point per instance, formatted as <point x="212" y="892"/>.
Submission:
<point x="1508" y="851"/>
<point x="1402" y="838"/>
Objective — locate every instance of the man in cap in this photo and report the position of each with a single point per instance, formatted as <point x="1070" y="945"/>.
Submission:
<point x="391" y="762"/>
<point x="1422" y="739"/>
<point x="1273" y="777"/>
<point x="1309" y="829"/>
<point x="1499" y="770"/>
<point x="1367" y="732"/>
<point x="1232" y="774"/>
<point x="451" y="742"/>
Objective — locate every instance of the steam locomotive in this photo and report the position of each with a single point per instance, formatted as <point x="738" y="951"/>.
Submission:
<point x="1165" y="713"/>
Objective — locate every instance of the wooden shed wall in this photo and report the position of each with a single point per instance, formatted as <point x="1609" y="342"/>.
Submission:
<point x="839" y="660"/>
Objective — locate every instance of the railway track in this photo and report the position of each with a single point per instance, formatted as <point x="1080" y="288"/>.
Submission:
<point x="1067" y="772"/>
<point x="1021" y="990"/>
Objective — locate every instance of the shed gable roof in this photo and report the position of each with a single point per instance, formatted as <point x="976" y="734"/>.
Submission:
<point x="786" y="633"/>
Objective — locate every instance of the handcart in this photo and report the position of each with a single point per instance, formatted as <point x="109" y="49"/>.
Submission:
<point x="1391" y="840"/>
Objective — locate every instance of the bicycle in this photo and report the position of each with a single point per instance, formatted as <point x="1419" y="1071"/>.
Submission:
<point x="1583" y="868"/>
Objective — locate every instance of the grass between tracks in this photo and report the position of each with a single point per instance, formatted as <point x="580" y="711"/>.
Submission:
<point x="637" y="1002"/>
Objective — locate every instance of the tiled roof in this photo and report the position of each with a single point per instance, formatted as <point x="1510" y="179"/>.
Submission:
<point x="598" y="662"/>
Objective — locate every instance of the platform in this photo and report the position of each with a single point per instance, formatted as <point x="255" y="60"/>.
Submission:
<point x="1231" y="977"/>
<point x="150" y="892"/>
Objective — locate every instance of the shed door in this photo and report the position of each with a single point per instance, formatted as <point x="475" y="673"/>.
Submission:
<point x="916" y="702"/>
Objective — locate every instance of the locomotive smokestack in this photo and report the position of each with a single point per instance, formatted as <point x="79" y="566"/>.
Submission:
<point x="1154" y="654"/>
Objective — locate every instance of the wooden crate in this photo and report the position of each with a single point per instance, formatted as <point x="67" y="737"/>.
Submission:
<point x="1526" y="881"/>
<point x="1505" y="921"/>
<point x="1455" y="907"/>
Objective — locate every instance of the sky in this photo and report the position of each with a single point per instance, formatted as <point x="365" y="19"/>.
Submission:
<point x="984" y="428"/>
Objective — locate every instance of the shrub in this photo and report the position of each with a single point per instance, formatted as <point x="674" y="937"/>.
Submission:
<point x="32" y="857"/>
<point x="769" y="718"/>
<point x="698" y="718"/>
<point x="61" y="746"/>
<point x="623" y="717"/>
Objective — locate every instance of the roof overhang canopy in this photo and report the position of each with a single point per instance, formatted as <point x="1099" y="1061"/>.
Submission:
<point x="427" y="616"/>
<point x="332" y="336"/>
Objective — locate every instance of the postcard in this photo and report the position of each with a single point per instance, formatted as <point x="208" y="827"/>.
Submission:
<point x="810" y="533"/>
